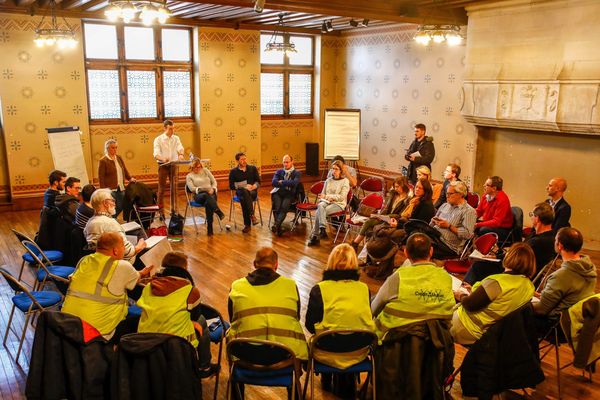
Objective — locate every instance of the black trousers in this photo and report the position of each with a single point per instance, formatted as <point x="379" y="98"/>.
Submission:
<point x="246" y="201"/>
<point x="280" y="202"/>
<point x="209" y="201"/>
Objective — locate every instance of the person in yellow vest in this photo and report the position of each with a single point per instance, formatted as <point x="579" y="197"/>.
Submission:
<point x="265" y="305"/>
<point x="339" y="301"/>
<point x="495" y="297"/>
<point x="98" y="290"/>
<point x="170" y="304"/>
<point x="418" y="292"/>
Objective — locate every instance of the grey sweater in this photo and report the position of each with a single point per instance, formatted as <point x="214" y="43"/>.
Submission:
<point x="201" y="182"/>
<point x="336" y="191"/>
<point x="574" y="281"/>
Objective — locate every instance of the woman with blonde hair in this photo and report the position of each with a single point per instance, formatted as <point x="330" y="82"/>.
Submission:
<point x="202" y="184"/>
<point x="339" y="301"/>
<point x="494" y="297"/>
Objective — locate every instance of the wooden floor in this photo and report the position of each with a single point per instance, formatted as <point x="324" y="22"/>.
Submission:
<point x="216" y="262"/>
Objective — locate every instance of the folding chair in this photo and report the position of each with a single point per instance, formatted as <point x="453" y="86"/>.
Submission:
<point x="473" y="199"/>
<point x="372" y="185"/>
<point x="342" y="343"/>
<point x="306" y="207"/>
<point x="217" y="336"/>
<point x="235" y="199"/>
<point x="50" y="255"/>
<point x="30" y="303"/>
<point x="46" y="269"/>
<point x="191" y="204"/>
<point x="262" y="363"/>
<point x="336" y="220"/>
<point x="483" y="244"/>
<point x="542" y="276"/>
<point x="516" y="231"/>
<point x="148" y="216"/>
<point x="372" y="201"/>
<point x="299" y="199"/>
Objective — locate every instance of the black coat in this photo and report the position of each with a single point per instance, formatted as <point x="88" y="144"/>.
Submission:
<point x="506" y="357"/>
<point x="136" y="193"/>
<point x="427" y="150"/>
<point x="414" y="360"/>
<point x="153" y="366"/>
<point x="63" y="365"/>
<point x="562" y="215"/>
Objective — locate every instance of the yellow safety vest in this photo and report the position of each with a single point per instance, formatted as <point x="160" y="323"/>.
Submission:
<point x="576" y="316"/>
<point x="88" y="296"/>
<point x="167" y="314"/>
<point x="345" y="306"/>
<point x="268" y="312"/>
<point x="424" y="292"/>
<point x="516" y="291"/>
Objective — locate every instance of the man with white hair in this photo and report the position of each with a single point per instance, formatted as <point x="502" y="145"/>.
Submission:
<point x="104" y="205"/>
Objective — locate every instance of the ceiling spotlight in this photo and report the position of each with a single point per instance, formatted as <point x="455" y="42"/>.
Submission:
<point x="353" y="23"/>
<point x="365" y="22"/>
<point x="328" y="26"/>
<point x="259" y="5"/>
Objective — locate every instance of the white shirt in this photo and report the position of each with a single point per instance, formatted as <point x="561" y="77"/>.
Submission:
<point x="167" y="147"/>
<point x="99" y="224"/>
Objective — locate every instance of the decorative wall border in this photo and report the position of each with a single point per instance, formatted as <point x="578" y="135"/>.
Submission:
<point x="136" y="129"/>
<point x="287" y="124"/>
<point x="28" y="24"/>
<point x="223" y="37"/>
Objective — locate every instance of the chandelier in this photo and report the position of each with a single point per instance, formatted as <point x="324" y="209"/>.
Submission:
<point x="273" y="45"/>
<point x="438" y="34"/>
<point x="64" y="38"/>
<point x="149" y="10"/>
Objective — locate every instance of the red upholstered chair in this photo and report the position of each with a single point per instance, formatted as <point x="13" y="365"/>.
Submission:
<point x="372" y="201"/>
<point x="336" y="220"/>
<point x="306" y="207"/>
<point x="484" y="244"/>
<point x="473" y="199"/>
<point x="372" y="185"/>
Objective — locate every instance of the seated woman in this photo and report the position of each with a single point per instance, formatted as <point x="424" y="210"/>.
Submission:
<point x="495" y="297"/>
<point x="424" y="172"/>
<point x="395" y="203"/>
<point x="332" y="199"/>
<point x="339" y="301"/>
<point x="201" y="182"/>
<point x="170" y="304"/>
<point x="419" y="207"/>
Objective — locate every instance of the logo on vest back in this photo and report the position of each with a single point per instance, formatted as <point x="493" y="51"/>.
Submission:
<point x="429" y="296"/>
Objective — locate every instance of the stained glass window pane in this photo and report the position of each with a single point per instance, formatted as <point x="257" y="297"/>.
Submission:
<point x="141" y="90"/>
<point x="271" y="94"/>
<point x="175" y="45"/>
<point x="300" y="93"/>
<point x="139" y="43"/>
<point x="303" y="56"/>
<point x="104" y="94"/>
<point x="177" y="97"/>
<point x="270" y="57"/>
<point x="100" y="41"/>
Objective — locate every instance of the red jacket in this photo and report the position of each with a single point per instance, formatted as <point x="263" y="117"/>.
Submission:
<point x="495" y="213"/>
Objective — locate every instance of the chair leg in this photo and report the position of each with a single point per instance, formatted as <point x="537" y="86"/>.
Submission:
<point x="556" y="348"/>
<point x="12" y="312"/>
<point x="219" y="373"/>
<point x="21" y="271"/>
<point x="257" y="204"/>
<point x="22" y="337"/>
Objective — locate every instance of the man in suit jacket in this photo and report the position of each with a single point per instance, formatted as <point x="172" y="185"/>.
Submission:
<point x="285" y="184"/>
<point x="562" y="210"/>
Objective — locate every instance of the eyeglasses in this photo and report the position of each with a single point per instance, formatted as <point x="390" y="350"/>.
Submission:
<point x="532" y="214"/>
<point x="450" y="193"/>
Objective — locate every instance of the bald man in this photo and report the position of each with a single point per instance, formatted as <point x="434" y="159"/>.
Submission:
<point x="285" y="184"/>
<point x="562" y="210"/>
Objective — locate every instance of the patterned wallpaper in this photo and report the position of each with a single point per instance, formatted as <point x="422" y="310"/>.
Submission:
<point x="397" y="84"/>
<point x="41" y="87"/>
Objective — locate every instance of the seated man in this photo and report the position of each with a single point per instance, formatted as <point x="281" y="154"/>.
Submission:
<point x="494" y="211"/>
<point x="562" y="210"/>
<point x="265" y="305"/>
<point x="68" y="202"/>
<point x="98" y="290"/>
<point x="541" y="241"/>
<point x="451" y="174"/>
<point x="57" y="184"/>
<point x="170" y="304"/>
<point x="413" y="293"/>
<point x="455" y="221"/>
<point x="285" y="183"/>
<point x="104" y="205"/>
<point x="574" y="281"/>
<point x="85" y="211"/>
<point x="244" y="179"/>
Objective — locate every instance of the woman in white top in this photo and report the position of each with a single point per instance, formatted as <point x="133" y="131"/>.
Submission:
<point x="332" y="199"/>
<point x="112" y="173"/>
<point x="202" y="184"/>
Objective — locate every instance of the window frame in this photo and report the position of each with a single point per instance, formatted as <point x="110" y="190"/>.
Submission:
<point x="287" y="69"/>
<point x="122" y="65"/>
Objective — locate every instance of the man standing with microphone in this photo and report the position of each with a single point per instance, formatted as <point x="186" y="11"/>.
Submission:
<point x="167" y="148"/>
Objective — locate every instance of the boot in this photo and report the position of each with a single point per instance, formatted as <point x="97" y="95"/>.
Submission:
<point x="220" y="214"/>
<point x="209" y="230"/>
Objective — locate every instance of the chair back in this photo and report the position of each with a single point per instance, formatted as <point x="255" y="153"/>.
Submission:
<point x="473" y="199"/>
<point x="517" y="229"/>
<point x="374" y="200"/>
<point x="317" y="188"/>
<point x="585" y="342"/>
<point x="34" y="250"/>
<point x="542" y="276"/>
<point x="374" y="185"/>
<point x="21" y="236"/>
<point x="343" y="340"/>
<point x="18" y="287"/>
<point x="260" y="355"/>
<point x="485" y="243"/>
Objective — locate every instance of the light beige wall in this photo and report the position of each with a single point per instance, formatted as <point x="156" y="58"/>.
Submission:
<point x="397" y="83"/>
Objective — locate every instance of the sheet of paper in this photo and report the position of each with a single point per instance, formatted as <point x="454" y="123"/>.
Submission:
<point x="478" y="256"/>
<point x="384" y="218"/>
<point x="132" y="239"/>
<point x="153" y="240"/>
<point x="130" y="226"/>
<point x="456" y="283"/>
<point x="241" y="184"/>
<point x="154" y="255"/>
<point x="416" y="154"/>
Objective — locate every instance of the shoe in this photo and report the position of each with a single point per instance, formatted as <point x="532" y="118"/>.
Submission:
<point x="254" y="220"/>
<point x="274" y="228"/>
<point x="212" y="369"/>
<point x="280" y="231"/>
<point x="220" y="214"/>
<point x="246" y="229"/>
<point x="313" y="241"/>
<point x="209" y="230"/>
<point x="323" y="233"/>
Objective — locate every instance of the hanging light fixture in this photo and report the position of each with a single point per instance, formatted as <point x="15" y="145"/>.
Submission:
<point x="64" y="38"/>
<point x="439" y="34"/>
<point x="273" y="45"/>
<point x="149" y="10"/>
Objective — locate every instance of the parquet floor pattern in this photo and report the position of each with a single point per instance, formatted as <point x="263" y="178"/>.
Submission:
<point x="216" y="262"/>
